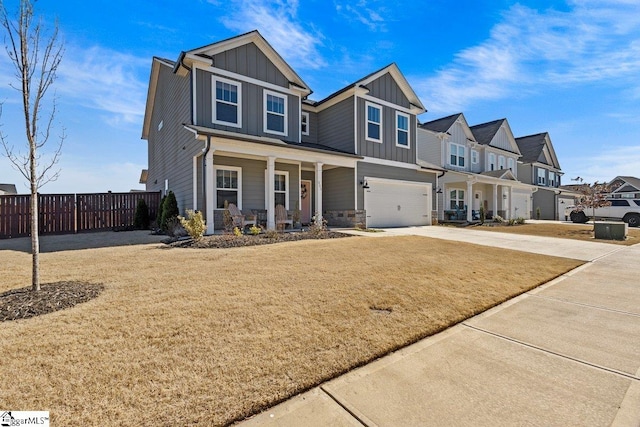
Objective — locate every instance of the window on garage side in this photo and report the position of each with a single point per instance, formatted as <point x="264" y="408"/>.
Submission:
<point x="402" y="130"/>
<point x="374" y="122"/>
<point x="456" y="199"/>
<point x="228" y="186"/>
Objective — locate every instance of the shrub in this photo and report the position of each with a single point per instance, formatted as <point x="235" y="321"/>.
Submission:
<point x="141" y="217"/>
<point x="169" y="211"/>
<point x="498" y="219"/>
<point x="316" y="227"/>
<point x="255" y="230"/>
<point x="237" y="232"/>
<point x="174" y="228"/>
<point x="158" y="219"/>
<point x="272" y="234"/>
<point x="520" y="220"/>
<point x="483" y="215"/>
<point x="538" y="212"/>
<point x="193" y="224"/>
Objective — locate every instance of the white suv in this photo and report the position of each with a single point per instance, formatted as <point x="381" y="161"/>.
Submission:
<point x="627" y="210"/>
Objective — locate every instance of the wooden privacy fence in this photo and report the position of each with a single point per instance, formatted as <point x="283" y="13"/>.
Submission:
<point x="73" y="213"/>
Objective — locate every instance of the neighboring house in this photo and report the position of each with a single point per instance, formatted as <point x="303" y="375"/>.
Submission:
<point x="8" y="189"/>
<point x="480" y="163"/>
<point x="232" y="122"/>
<point x="539" y="166"/>
<point x="625" y="187"/>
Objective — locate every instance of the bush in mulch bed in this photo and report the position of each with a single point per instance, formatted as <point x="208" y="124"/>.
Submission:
<point x="24" y="303"/>
<point x="233" y="241"/>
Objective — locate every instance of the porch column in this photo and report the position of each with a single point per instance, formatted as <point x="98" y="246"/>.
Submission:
<point x="210" y="185"/>
<point x="318" y="212"/>
<point x="495" y="200"/>
<point x="469" y="201"/>
<point x="509" y="194"/>
<point x="271" y="201"/>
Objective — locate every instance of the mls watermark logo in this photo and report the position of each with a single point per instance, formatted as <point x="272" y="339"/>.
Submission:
<point x="24" y="418"/>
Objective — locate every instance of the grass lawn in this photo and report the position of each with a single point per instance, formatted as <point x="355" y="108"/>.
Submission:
<point x="209" y="336"/>
<point x="564" y="231"/>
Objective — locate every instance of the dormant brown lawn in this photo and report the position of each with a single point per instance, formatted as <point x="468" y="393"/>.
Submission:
<point x="210" y="336"/>
<point x="565" y="231"/>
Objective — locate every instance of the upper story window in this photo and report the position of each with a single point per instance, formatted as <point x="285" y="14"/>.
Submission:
<point x="542" y="178"/>
<point x="474" y="157"/>
<point x="275" y="113"/>
<point x="501" y="162"/>
<point x="511" y="164"/>
<point x="374" y="122"/>
<point x="492" y="162"/>
<point x="227" y="103"/>
<point x="402" y="130"/>
<point x="228" y="186"/>
<point x="304" y="123"/>
<point x="552" y="179"/>
<point x="456" y="155"/>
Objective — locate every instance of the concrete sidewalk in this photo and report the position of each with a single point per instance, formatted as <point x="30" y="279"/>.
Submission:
<point x="566" y="353"/>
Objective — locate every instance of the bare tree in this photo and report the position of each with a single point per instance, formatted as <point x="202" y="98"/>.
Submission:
<point x="592" y="197"/>
<point x="35" y="57"/>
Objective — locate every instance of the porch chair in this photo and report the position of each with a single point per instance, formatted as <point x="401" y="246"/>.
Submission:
<point x="239" y="219"/>
<point x="282" y="218"/>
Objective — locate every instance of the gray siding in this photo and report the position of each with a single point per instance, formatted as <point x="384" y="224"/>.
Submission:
<point x="335" y="126"/>
<point x="390" y="172"/>
<point x="313" y="129"/>
<point x="172" y="148"/>
<point x="249" y="61"/>
<point x="429" y="147"/>
<point x="546" y="201"/>
<point x="338" y="189"/>
<point x="525" y="173"/>
<point x="387" y="149"/>
<point x="385" y="87"/>
<point x="253" y="180"/>
<point x="502" y="140"/>
<point x="252" y="109"/>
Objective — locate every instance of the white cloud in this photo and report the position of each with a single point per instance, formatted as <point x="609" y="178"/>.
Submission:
<point x="105" y="80"/>
<point x="365" y="12"/>
<point x="614" y="161"/>
<point x="596" y="41"/>
<point x="276" y="21"/>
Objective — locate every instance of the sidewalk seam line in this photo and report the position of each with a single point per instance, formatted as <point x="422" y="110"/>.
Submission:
<point x="597" y="307"/>
<point x="563" y="356"/>
<point x="335" y="399"/>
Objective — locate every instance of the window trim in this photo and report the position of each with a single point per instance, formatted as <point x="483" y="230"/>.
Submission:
<point x="458" y="191"/>
<point x="551" y="182"/>
<point x="502" y="162"/>
<point x="491" y="161"/>
<point x="475" y="159"/>
<point x="304" y="114"/>
<point x="511" y="164"/>
<point x="237" y="169"/>
<point x="265" y="113"/>
<point x="408" y="130"/>
<point x="464" y="150"/>
<point x="286" y="183"/>
<point x="541" y="180"/>
<point x="366" y="126"/>
<point x="238" y="85"/>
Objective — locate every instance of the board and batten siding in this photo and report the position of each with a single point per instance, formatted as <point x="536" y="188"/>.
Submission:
<point x="373" y="170"/>
<point x="252" y="108"/>
<point x="502" y="140"/>
<point x="385" y="87"/>
<point x="335" y="126"/>
<point x="248" y="60"/>
<point x="171" y="148"/>
<point x="338" y="189"/>
<point x="253" y="180"/>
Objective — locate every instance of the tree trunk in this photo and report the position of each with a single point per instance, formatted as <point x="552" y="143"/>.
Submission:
<point x="35" y="240"/>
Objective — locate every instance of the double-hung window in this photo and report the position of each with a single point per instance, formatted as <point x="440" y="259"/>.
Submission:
<point x="500" y="162"/>
<point x="402" y="130"/>
<point x="457" y="155"/>
<point x="456" y="199"/>
<point x="374" y="122"/>
<point x="511" y="163"/>
<point x="280" y="188"/>
<point x="492" y="162"/>
<point x="304" y="123"/>
<point x="228" y="186"/>
<point x="552" y="179"/>
<point x="474" y="157"/>
<point x="275" y="113"/>
<point x="227" y="104"/>
<point x="541" y="177"/>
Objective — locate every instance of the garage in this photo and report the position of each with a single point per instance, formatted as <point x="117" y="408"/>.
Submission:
<point x="521" y="204"/>
<point x="393" y="203"/>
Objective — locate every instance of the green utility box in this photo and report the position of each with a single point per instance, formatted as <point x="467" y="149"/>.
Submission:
<point x="611" y="230"/>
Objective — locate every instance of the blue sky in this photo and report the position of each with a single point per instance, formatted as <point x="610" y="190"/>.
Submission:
<point x="570" y="68"/>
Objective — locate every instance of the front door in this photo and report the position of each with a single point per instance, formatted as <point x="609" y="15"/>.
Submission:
<point x="477" y="201"/>
<point x="305" y="196"/>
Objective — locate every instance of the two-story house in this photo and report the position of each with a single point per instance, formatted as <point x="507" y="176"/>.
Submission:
<point x="480" y="164"/>
<point x="625" y="187"/>
<point x="232" y="122"/>
<point x="539" y="166"/>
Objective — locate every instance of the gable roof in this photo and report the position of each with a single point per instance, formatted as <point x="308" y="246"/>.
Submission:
<point x="484" y="134"/>
<point x="396" y="74"/>
<point x="501" y="174"/>
<point x="533" y="147"/>
<point x="8" y="189"/>
<point x="156" y="63"/>
<point x="441" y="125"/>
<point x="208" y="51"/>
<point x="628" y="181"/>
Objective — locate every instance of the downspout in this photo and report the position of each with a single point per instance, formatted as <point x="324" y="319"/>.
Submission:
<point x="438" y="186"/>
<point x="205" y="151"/>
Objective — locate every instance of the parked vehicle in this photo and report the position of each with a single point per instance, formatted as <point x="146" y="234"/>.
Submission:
<point x="627" y="210"/>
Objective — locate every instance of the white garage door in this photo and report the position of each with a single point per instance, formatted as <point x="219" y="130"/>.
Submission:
<point x="521" y="208"/>
<point x="392" y="203"/>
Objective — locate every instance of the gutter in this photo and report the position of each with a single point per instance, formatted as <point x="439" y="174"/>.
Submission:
<point x="205" y="151"/>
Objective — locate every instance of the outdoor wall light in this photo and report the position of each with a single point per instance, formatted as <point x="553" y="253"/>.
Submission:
<point x="439" y="190"/>
<point x="364" y="184"/>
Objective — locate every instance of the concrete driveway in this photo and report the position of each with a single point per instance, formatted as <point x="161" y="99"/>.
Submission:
<point x="564" y="354"/>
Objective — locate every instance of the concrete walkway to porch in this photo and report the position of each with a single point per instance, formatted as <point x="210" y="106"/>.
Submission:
<point x="566" y="353"/>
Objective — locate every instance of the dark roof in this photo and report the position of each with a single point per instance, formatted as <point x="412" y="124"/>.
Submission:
<point x="8" y="188"/>
<point x="346" y="88"/>
<point x="484" y="133"/>
<point x="631" y="180"/>
<point x="531" y="146"/>
<point x="318" y="147"/>
<point x="441" y="125"/>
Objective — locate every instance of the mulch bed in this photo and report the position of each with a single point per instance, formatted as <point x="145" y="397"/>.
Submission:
<point x="233" y="241"/>
<point x="24" y="303"/>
